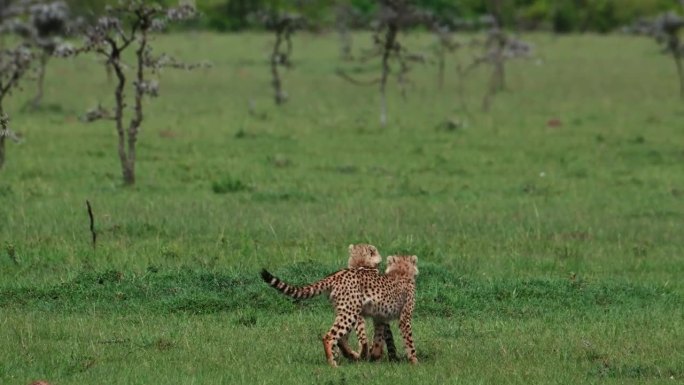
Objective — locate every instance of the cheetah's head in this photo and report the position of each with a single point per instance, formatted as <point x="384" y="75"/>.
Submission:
<point x="402" y="264"/>
<point x="364" y="255"/>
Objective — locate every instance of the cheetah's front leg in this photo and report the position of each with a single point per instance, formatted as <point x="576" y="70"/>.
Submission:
<point x="407" y="334"/>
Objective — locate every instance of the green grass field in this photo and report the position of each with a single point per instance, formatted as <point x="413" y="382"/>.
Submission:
<point x="547" y="254"/>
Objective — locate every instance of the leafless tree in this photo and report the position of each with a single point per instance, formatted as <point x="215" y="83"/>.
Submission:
<point x="392" y="17"/>
<point x="15" y="63"/>
<point x="49" y="21"/>
<point x="41" y="25"/>
<point x="496" y="44"/>
<point x="283" y="25"/>
<point x="498" y="48"/>
<point x="130" y="24"/>
<point x="445" y="45"/>
<point x="666" y="30"/>
<point x="344" y="13"/>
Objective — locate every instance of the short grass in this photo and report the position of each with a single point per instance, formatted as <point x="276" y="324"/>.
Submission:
<point x="548" y="253"/>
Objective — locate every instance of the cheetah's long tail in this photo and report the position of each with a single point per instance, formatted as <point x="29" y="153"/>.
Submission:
<point x="304" y="292"/>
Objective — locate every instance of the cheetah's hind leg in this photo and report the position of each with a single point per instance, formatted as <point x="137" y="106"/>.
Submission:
<point x="407" y="334"/>
<point x="342" y="326"/>
<point x="389" y="341"/>
<point x="346" y="349"/>
<point x="362" y="337"/>
<point x="378" y="340"/>
<point x="383" y="336"/>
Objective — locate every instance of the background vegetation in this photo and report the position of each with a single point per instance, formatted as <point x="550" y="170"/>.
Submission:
<point x="556" y="15"/>
<point x="548" y="230"/>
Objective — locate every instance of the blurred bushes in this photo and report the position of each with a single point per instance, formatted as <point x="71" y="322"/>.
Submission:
<point x="556" y="15"/>
<point x="600" y="15"/>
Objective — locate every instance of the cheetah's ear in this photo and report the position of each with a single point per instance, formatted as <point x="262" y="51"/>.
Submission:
<point x="351" y="247"/>
<point x="414" y="259"/>
<point x="390" y="260"/>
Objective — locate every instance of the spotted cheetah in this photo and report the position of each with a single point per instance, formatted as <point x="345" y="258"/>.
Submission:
<point x="398" y="304"/>
<point x="365" y="255"/>
<point x="358" y="291"/>
<point x="361" y="255"/>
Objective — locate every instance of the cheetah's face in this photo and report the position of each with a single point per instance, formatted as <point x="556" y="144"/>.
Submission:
<point x="364" y="255"/>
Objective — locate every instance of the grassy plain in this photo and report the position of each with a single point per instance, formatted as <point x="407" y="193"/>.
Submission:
<point x="548" y="254"/>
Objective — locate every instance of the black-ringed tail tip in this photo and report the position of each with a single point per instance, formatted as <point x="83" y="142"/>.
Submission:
<point x="266" y="276"/>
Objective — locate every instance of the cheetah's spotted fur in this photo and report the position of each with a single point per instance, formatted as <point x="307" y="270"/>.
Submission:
<point x="358" y="291"/>
<point x="361" y="255"/>
<point x="365" y="255"/>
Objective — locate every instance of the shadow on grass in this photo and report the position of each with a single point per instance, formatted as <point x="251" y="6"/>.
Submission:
<point x="440" y="293"/>
<point x="636" y="372"/>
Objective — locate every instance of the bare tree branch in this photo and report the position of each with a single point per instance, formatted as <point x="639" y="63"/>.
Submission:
<point x="15" y="63"/>
<point x="283" y="24"/>
<point x="111" y="37"/>
<point x="392" y="16"/>
<point x="350" y="79"/>
<point x="497" y="49"/>
<point x="665" y="29"/>
<point x="92" y="224"/>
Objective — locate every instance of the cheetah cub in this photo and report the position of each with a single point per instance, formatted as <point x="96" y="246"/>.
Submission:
<point x="367" y="256"/>
<point x="361" y="256"/>
<point x="395" y="303"/>
<point x="358" y="291"/>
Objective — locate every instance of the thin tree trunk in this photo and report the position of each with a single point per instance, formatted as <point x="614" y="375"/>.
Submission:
<point x="499" y="44"/>
<point x="441" y="62"/>
<point x="345" y="44"/>
<point x="288" y="44"/>
<point x="383" y="108"/>
<point x="493" y="87"/>
<point x="342" y="16"/>
<point x="44" y="57"/>
<point x="495" y="9"/>
<point x="680" y="72"/>
<point x="500" y="73"/>
<point x="4" y="133"/>
<point x="93" y="233"/>
<point x="461" y="88"/>
<point x="390" y="37"/>
<point x="128" y="176"/>
<point x="275" y="59"/>
<point x="134" y="125"/>
<point x="3" y="137"/>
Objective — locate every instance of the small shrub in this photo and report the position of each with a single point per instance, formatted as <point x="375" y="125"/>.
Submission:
<point x="228" y="185"/>
<point x="281" y="196"/>
<point x="6" y="191"/>
<point x="12" y="253"/>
